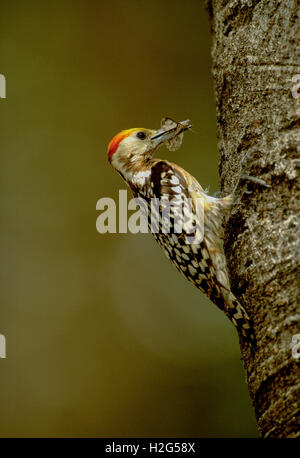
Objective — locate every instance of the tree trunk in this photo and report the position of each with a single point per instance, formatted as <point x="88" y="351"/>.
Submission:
<point x="256" y="69"/>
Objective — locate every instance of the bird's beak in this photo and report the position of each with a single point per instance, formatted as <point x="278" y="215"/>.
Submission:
<point x="165" y="134"/>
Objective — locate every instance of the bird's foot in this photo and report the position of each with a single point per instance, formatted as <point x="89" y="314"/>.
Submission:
<point x="256" y="180"/>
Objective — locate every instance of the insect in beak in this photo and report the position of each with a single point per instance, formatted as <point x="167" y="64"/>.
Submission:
<point x="169" y="130"/>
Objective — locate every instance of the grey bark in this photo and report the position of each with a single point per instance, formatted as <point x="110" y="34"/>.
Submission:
<point x="255" y="53"/>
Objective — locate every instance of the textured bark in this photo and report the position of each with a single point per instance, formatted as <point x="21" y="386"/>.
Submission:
<point x="256" y="49"/>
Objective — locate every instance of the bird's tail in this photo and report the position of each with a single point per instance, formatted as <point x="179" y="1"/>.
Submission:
<point x="238" y="316"/>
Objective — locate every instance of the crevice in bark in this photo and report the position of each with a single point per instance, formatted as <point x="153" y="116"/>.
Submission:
<point x="238" y="16"/>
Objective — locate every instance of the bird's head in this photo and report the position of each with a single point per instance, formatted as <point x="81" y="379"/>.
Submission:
<point x="132" y="148"/>
<point x="130" y="145"/>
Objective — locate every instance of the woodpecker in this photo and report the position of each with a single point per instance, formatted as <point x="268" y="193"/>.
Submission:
<point x="199" y="259"/>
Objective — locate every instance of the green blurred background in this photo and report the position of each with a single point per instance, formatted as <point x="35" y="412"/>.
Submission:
<point x="104" y="337"/>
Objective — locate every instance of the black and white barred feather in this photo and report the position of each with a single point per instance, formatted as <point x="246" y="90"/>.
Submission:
<point x="203" y="262"/>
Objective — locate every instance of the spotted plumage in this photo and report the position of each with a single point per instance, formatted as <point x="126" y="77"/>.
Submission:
<point x="185" y="221"/>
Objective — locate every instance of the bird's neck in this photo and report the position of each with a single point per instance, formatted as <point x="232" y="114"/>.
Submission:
<point x="136" y="170"/>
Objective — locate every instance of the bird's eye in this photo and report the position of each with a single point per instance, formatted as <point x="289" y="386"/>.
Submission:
<point x="141" y="135"/>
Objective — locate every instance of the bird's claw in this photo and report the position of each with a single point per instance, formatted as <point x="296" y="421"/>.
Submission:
<point x="244" y="177"/>
<point x="255" y="180"/>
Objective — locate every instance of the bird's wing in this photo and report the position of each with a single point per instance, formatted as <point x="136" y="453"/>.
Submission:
<point x="203" y="261"/>
<point x="170" y="184"/>
<point x="203" y="253"/>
